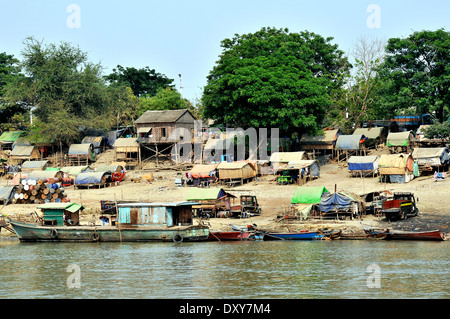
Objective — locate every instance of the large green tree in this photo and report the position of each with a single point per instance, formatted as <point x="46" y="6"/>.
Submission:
<point x="274" y="78"/>
<point x="417" y="71"/>
<point x="65" y="91"/>
<point x="143" y="81"/>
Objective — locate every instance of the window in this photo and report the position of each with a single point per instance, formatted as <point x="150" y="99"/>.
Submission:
<point x="163" y="132"/>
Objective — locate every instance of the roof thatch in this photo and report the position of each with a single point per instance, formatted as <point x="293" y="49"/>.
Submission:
<point x="161" y="116"/>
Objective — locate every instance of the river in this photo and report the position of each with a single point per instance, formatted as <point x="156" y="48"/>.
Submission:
<point x="342" y="269"/>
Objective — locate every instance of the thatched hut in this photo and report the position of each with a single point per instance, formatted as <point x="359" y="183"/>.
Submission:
<point x="236" y="172"/>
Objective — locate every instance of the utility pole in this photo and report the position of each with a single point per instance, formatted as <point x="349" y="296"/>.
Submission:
<point x="181" y="86"/>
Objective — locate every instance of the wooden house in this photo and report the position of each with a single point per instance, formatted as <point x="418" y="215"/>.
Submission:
<point x="21" y="154"/>
<point x="321" y="144"/>
<point x="60" y="214"/>
<point x="158" y="126"/>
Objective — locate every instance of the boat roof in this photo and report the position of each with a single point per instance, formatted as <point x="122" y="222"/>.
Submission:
<point x="157" y="204"/>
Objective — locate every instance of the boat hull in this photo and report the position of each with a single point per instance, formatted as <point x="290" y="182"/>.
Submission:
<point x="31" y="232"/>
<point x="292" y="236"/>
<point x="228" y="236"/>
<point x="434" y="235"/>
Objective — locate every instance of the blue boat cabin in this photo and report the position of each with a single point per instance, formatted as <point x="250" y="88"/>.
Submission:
<point x="156" y="214"/>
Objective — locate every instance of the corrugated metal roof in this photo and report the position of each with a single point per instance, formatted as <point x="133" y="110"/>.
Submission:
<point x="160" y="116"/>
<point x="157" y="204"/>
<point x="126" y="142"/>
<point x="10" y="136"/>
<point x="22" y="151"/>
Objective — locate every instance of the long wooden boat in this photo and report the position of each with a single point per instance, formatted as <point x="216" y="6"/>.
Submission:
<point x="136" y="222"/>
<point x="435" y="235"/>
<point x="228" y="235"/>
<point x="292" y="236"/>
<point x="32" y="232"/>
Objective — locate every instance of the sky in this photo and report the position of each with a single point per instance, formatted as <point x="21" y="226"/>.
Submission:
<point x="183" y="37"/>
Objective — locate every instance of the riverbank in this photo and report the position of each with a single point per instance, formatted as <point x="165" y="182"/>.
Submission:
<point x="432" y="197"/>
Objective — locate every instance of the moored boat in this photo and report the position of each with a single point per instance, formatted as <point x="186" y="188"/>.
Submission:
<point x="435" y="235"/>
<point x="292" y="236"/>
<point x="136" y="222"/>
<point x="228" y="235"/>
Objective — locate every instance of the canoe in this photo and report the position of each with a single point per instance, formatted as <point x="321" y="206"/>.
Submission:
<point x="228" y="236"/>
<point x="416" y="235"/>
<point x="292" y="236"/>
<point x="32" y="232"/>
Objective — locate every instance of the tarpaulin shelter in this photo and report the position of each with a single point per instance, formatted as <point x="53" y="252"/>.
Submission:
<point x="299" y="171"/>
<point x="343" y="203"/>
<point x="100" y="143"/>
<point x="29" y="166"/>
<point x="374" y="135"/>
<point x="396" y="168"/>
<point x="44" y="176"/>
<point x="429" y="158"/>
<point x="308" y="195"/>
<point x="81" y="154"/>
<point x="363" y="165"/>
<point x="400" y="140"/>
<point x="6" y="194"/>
<point x="350" y="145"/>
<point x="93" y="178"/>
<point x="8" y="138"/>
<point x="305" y="198"/>
<point x="202" y="172"/>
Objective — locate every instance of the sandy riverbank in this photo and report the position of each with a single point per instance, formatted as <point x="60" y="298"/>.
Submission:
<point x="432" y="199"/>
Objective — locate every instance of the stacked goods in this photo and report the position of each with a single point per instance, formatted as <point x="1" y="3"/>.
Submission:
<point x="30" y="191"/>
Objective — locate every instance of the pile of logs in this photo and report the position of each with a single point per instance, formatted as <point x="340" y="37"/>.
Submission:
<point x="39" y="192"/>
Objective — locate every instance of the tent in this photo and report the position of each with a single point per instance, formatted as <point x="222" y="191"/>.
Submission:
<point x="200" y="171"/>
<point x="6" y="194"/>
<point x="350" y="142"/>
<point x="399" y="139"/>
<point x="363" y="164"/>
<point x="82" y="152"/>
<point x="374" y="135"/>
<point x="396" y="168"/>
<point x="308" y="195"/>
<point x="93" y="178"/>
<point x="342" y="203"/>
<point x="431" y="156"/>
<point x="200" y="194"/>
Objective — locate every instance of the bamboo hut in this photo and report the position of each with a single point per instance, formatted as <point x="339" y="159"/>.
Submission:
<point x="396" y="168"/>
<point x="236" y="172"/>
<point x="128" y="151"/>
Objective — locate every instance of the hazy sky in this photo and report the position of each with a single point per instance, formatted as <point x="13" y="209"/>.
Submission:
<point x="183" y="37"/>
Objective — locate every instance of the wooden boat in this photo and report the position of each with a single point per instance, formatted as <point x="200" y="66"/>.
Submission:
<point x="390" y="234"/>
<point x="228" y="235"/>
<point x="435" y="235"/>
<point x="136" y="222"/>
<point x="292" y="236"/>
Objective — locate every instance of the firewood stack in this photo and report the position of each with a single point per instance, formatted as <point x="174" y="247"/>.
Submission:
<point x="30" y="191"/>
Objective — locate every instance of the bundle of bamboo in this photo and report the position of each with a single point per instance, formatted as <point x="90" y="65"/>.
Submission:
<point x="31" y="191"/>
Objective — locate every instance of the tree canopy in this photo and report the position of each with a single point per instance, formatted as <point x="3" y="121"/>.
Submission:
<point x="417" y="71"/>
<point x="274" y="78"/>
<point x="143" y="82"/>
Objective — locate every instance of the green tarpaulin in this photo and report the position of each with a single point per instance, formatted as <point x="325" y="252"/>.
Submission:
<point x="308" y="195"/>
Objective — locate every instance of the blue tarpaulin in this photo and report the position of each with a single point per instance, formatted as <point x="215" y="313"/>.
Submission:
<point x="91" y="178"/>
<point x="363" y="163"/>
<point x="335" y="201"/>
